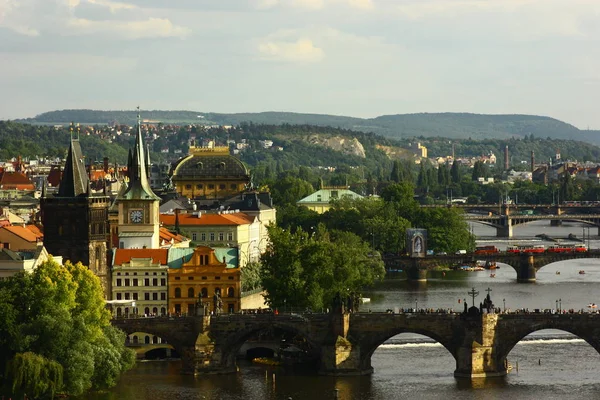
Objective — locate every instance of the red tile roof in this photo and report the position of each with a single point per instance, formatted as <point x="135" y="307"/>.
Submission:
<point x="207" y="219"/>
<point x="125" y="255"/>
<point x="36" y="230"/>
<point x="22" y="232"/>
<point x="15" y="180"/>
<point x="165" y="235"/>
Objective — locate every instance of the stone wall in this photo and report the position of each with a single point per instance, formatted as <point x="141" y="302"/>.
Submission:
<point x="253" y="301"/>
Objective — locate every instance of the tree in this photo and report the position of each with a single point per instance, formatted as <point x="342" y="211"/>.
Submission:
<point x="455" y="172"/>
<point x="301" y="270"/>
<point x="57" y="315"/>
<point x="289" y="189"/>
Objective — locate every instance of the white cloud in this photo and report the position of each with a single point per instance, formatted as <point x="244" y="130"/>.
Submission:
<point x="150" y="28"/>
<point x="313" y="4"/>
<point x="302" y="50"/>
<point x="113" y="6"/>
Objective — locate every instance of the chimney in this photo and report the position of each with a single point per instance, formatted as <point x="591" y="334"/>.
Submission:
<point x="506" y="166"/>
<point x="532" y="161"/>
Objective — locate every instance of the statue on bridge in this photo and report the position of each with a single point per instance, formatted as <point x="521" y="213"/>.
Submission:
<point x="218" y="302"/>
<point x="201" y="307"/>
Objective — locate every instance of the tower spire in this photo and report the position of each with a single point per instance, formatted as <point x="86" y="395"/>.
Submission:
<point x="74" y="179"/>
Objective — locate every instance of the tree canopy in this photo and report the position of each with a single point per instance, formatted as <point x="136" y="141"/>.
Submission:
<point x="55" y="333"/>
<point x="303" y="270"/>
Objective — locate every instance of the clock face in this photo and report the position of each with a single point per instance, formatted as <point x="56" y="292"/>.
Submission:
<point x="136" y="216"/>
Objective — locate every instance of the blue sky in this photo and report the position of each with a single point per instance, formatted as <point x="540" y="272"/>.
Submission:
<point x="350" y="57"/>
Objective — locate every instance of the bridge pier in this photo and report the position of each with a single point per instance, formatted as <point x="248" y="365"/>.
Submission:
<point x="478" y="356"/>
<point x="342" y="357"/>
<point x="505" y="230"/>
<point x="416" y="274"/>
<point x="526" y="269"/>
<point x="556" y="222"/>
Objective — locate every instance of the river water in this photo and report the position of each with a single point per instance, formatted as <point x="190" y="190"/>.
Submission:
<point x="546" y="365"/>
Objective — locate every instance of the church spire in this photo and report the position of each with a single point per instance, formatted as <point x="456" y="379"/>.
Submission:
<point x="74" y="179"/>
<point x="139" y="187"/>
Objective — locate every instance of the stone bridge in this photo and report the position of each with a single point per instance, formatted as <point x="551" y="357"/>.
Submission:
<point x="504" y="217"/>
<point x="344" y="343"/>
<point x="525" y="265"/>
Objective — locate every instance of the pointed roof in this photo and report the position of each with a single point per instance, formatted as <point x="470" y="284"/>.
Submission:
<point x="138" y="187"/>
<point x="74" y="181"/>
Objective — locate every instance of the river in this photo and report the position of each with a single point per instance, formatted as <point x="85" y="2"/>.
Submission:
<point x="546" y="365"/>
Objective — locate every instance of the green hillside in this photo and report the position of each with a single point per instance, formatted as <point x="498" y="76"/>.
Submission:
<point x="449" y="125"/>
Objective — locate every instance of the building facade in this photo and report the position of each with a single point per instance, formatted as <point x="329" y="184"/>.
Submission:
<point x="140" y="276"/>
<point x="75" y="220"/>
<point x="204" y="284"/>
<point x="209" y="173"/>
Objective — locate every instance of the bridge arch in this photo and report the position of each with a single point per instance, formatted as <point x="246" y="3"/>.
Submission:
<point x="369" y="345"/>
<point x="230" y="345"/>
<point x="562" y="323"/>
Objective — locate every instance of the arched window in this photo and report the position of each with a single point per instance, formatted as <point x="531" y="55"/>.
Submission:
<point x="126" y="311"/>
<point x="119" y="312"/>
<point x="204" y="292"/>
<point x="163" y="311"/>
<point x="230" y="292"/>
<point x="218" y="291"/>
<point x="154" y="339"/>
<point x="155" y="311"/>
<point x="135" y="340"/>
<point x="177" y="293"/>
<point x="191" y="293"/>
<point x="147" y="311"/>
<point x="147" y="340"/>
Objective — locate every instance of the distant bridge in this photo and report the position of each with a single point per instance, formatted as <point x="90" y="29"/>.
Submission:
<point x="526" y="265"/>
<point x="343" y="344"/>
<point x="504" y="217"/>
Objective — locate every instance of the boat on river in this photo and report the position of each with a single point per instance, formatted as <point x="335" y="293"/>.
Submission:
<point x="581" y="272"/>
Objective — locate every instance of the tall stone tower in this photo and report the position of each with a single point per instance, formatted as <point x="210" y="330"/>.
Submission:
<point x="75" y="220"/>
<point x="138" y="205"/>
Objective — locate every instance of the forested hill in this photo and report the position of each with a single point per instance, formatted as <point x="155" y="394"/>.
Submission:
<point x="449" y="125"/>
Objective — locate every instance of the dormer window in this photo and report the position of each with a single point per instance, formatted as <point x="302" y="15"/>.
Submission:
<point x="222" y="165"/>
<point x="199" y="165"/>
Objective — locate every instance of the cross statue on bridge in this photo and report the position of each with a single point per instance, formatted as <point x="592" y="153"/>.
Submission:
<point x="473" y="294"/>
<point x="488" y="290"/>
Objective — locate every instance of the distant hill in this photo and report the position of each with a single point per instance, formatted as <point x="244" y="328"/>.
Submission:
<point x="448" y="125"/>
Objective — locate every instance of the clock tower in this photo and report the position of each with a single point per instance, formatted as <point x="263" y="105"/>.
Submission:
<point x="138" y="205"/>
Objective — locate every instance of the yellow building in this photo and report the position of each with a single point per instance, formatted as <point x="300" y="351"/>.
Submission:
<point x="209" y="173"/>
<point x="204" y="278"/>
<point x="320" y="201"/>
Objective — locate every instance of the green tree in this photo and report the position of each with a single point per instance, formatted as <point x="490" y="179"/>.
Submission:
<point x="455" y="172"/>
<point x="58" y="313"/>
<point x="289" y="189"/>
<point x="302" y="270"/>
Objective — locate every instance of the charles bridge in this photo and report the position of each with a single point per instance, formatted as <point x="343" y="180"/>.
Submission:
<point x="343" y="343"/>
<point x="504" y="217"/>
<point x="525" y="265"/>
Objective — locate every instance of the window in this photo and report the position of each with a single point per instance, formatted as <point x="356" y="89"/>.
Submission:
<point x="135" y="296"/>
<point x="203" y="278"/>
<point x="119" y="296"/>
<point x="218" y="278"/>
<point x="188" y="186"/>
<point x="126" y="282"/>
<point x="203" y="237"/>
<point x="135" y="282"/>
<point x="211" y="186"/>
<point x="146" y="296"/>
<point x="233" y="186"/>
<point x="163" y="282"/>
<point x="177" y="278"/>
<point x="163" y="296"/>
<point x="230" y="278"/>
<point x="146" y="281"/>
<point x="212" y="236"/>
<point x="204" y="292"/>
<point x="146" y="310"/>
<point x="155" y="282"/>
<point x="221" y="186"/>
<point x="118" y="282"/>
<point x="154" y="296"/>
<point x="230" y="236"/>
<point x="199" y="186"/>
<point x="221" y="236"/>
<point x="230" y="292"/>
<point x="194" y="236"/>
<point x="177" y="293"/>
<point x="191" y="293"/>
<point x="127" y="296"/>
<point x="190" y="278"/>
<point x="177" y="308"/>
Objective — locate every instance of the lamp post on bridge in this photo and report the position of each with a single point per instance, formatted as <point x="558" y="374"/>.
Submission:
<point x="416" y="305"/>
<point x="559" y="305"/>
<point x="504" y="302"/>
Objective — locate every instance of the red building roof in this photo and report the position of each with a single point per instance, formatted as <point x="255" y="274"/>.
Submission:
<point x="125" y="255"/>
<point x="207" y="219"/>
<point x="15" y="180"/>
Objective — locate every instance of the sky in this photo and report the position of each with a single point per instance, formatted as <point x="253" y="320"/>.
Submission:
<point x="359" y="58"/>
